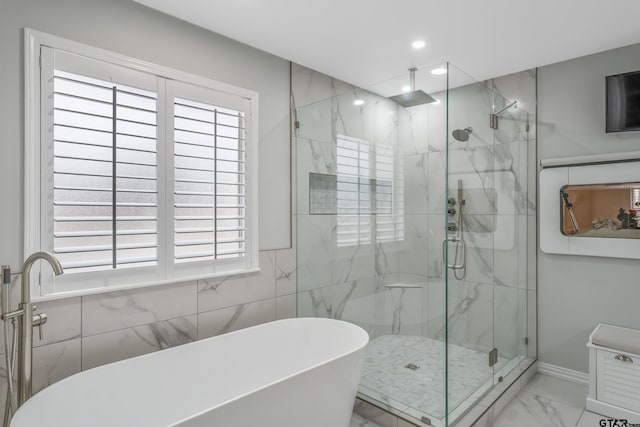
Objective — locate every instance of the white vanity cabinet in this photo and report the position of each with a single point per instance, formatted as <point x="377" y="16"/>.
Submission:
<point x="614" y="372"/>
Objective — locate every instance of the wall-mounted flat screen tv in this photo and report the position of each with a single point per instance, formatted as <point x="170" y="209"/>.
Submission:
<point x="623" y="102"/>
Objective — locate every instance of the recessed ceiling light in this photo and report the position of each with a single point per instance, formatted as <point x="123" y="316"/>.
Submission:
<point x="358" y="102"/>
<point x="438" y="71"/>
<point x="418" y="44"/>
<point x="406" y="89"/>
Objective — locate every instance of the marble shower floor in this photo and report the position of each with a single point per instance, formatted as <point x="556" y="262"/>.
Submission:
<point x="409" y="371"/>
<point x="544" y="401"/>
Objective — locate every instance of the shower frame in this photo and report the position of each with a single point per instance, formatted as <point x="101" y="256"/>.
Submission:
<point x="332" y="279"/>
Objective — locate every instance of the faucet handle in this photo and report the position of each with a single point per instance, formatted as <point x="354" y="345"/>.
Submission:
<point x="39" y="320"/>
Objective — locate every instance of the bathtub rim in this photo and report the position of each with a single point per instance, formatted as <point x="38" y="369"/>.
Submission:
<point x="360" y="341"/>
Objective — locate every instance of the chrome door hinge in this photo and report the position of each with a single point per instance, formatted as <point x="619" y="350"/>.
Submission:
<point x="493" y="357"/>
<point x="526" y="340"/>
<point x="296" y="124"/>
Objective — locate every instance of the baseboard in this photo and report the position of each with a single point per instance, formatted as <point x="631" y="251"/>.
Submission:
<point x="563" y="373"/>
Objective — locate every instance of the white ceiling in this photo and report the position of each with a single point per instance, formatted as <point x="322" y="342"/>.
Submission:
<point x="368" y="41"/>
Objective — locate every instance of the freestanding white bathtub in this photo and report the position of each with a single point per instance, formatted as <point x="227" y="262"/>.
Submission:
<point x="287" y="373"/>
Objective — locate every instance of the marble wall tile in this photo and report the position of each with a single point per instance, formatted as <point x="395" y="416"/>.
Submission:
<point x="286" y="272"/>
<point x="124" y="309"/>
<point x="315" y="121"/>
<point x="436" y="233"/>
<point x="474" y="167"/>
<point x="402" y="312"/>
<point x="438" y="134"/>
<point x="470" y="106"/>
<point x="286" y="307"/>
<point x="122" y="344"/>
<point x="312" y="157"/>
<point x="416" y="183"/>
<point x="519" y="86"/>
<point x="480" y="255"/>
<point x="414" y="247"/>
<point x="512" y="126"/>
<point x="470" y="321"/>
<point x="222" y="292"/>
<point x="510" y="179"/>
<point x="352" y="263"/>
<point x="53" y="362"/>
<point x="309" y="86"/>
<point x="387" y="260"/>
<point x="510" y="256"/>
<point x="509" y="315"/>
<point x="212" y="323"/>
<point x="436" y="305"/>
<point x="386" y="124"/>
<point x="413" y="129"/>
<point x="315" y="250"/>
<point x="353" y="302"/>
<point x="355" y="121"/>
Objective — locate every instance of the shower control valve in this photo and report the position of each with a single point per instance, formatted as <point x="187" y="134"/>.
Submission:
<point x="451" y="211"/>
<point x="452" y="227"/>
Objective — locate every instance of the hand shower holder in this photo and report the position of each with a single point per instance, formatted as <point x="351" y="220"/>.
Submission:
<point x="456" y="240"/>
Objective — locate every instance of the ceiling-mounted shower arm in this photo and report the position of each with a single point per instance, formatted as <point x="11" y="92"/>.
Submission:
<point x="493" y="117"/>
<point x="412" y="78"/>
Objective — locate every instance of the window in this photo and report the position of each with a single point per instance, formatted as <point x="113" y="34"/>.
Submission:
<point x="369" y="193"/>
<point x="144" y="175"/>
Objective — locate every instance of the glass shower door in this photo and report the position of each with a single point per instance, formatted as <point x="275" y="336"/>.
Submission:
<point x="469" y="222"/>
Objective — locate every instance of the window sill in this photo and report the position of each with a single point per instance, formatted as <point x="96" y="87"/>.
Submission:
<point x="106" y="289"/>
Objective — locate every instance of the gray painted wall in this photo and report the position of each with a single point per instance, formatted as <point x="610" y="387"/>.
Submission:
<point x="131" y="29"/>
<point x="84" y="332"/>
<point x="576" y="293"/>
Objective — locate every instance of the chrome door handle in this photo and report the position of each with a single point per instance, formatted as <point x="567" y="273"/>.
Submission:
<point x="623" y="358"/>
<point x="455" y="240"/>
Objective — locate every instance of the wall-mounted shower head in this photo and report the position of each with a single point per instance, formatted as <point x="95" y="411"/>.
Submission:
<point x="414" y="97"/>
<point x="462" y="135"/>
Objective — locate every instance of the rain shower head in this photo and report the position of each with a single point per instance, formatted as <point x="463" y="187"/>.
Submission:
<point x="414" y="97"/>
<point x="462" y="135"/>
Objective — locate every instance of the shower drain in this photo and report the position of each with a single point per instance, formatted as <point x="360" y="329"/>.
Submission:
<point x="412" y="367"/>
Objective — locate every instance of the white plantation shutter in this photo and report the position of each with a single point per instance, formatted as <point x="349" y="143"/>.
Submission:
<point x="389" y="193"/>
<point x="369" y="193"/>
<point x="209" y="181"/>
<point x="105" y="199"/>
<point x="142" y="179"/>
<point x="353" y="191"/>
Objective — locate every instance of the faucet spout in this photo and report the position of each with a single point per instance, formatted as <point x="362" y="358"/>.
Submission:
<point x="26" y="271"/>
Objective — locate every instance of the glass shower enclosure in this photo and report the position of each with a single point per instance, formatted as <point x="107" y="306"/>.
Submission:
<point x="412" y="221"/>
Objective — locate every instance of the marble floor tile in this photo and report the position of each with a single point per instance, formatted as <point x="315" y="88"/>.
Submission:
<point x="558" y="390"/>
<point x="590" y="419"/>
<point x="411" y="370"/>
<point x="358" y="421"/>
<point x="531" y="410"/>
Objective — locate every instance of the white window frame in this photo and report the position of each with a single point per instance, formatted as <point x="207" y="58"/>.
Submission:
<point x="33" y="206"/>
